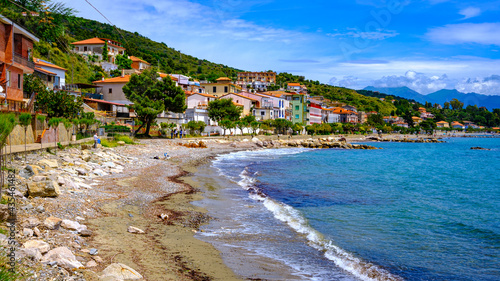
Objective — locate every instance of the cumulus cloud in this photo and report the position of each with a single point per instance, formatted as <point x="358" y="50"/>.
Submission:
<point x="416" y="81"/>
<point x="482" y="85"/>
<point x="480" y="33"/>
<point x="470" y="12"/>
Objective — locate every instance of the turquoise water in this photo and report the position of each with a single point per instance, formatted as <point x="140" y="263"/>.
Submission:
<point x="409" y="211"/>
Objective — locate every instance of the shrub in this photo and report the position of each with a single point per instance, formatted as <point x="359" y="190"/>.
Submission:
<point x="125" y="139"/>
<point x="116" y="128"/>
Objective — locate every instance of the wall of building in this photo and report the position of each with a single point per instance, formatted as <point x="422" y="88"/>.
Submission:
<point x="116" y="94"/>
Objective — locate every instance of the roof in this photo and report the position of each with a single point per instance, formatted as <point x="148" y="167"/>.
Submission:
<point x="205" y="95"/>
<point x="442" y="122"/>
<point x="137" y="59"/>
<point x="416" y="118"/>
<point x="103" y="101"/>
<point x="456" y="123"/>
<point x="163" y="75"/>
<point x="241" y="96"/>
<point x="223" y="79"/>
<point x="44" y="71"/>
<point x="90" y="41"/>
<point x="237" y="104"/>
<point x="120" y="79"/>
<point x="39" y="62"/>
<point x="293" y="84"/>
<point x="339" y="110"/>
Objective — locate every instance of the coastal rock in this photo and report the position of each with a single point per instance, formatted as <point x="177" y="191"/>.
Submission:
<point x="30" y="253"/>
<point x="42" y="246"/>
<point x="120" y="142"/>
<point x="85" y="233"/>
<point x="119" y="271"/>
<point x="133" y="229"/>
<point x="479" y="148"/>
<point x="27" y="232"/>
<point x="81" y="171"/>
<point x="39" y="178"/>
<point x="73" y="225"/>
<point x="31" y="222"/>
<point x="63" y="257"/>
<point x="258" y="142"/>
<point x="27" y="172"/>
<point x="43" y="189"/>
<point x="86" y="146"/>
<point x="52" y="223"/>
<point x="51" y="163"/>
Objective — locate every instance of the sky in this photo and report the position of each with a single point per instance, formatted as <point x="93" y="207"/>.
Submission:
<point x="426" y="45"/>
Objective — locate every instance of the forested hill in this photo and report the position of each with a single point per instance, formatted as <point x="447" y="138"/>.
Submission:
<point x="169" y="59"/>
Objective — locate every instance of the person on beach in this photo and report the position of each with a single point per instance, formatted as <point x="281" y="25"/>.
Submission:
<point x="180" y="134"/>
<point x="96" y="140"/>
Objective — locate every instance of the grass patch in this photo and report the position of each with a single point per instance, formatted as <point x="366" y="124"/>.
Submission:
<point x="125" y="139"/>
<point x="107" y="143"/>
<point x="21" y="272"/>
<point x="3" y="231"/>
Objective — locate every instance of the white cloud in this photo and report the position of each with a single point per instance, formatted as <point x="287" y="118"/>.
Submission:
<point x="379" y="34"/>
<point x="416" y="81"/>
<point x="480" y="33"/>
<point x="470" y="12"/>
<point x="484" y="85"/>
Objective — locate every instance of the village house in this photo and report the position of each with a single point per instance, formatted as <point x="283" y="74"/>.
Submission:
<point x="457" y="125"/>
<point x="16" y="47"/>
<point x="416" y="120"/>
<point x="362" y="117"/>
<point x="297" y="87"/>
<point x="401" y="124"/>
<point x="256" y="80"/>
<point x="314" y="108"/>
<point x="53" y="76"/>
<point x="424" y="114"/>
<point x="222" y="87"/>
<point x="139" y="64"/>
<point x="329" y="116"/>
<point x="442" y="124"/>
<point x="344" y="115"/>
<point x="93" y="47"/>
<point x="246" y="102"/>
<point x="197" y="104"/>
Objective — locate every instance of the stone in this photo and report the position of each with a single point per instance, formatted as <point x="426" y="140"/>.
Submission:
<point x="42" y="246"/>
<point x="119" y="271"/>
<point x="120" y="142"/>
<point x="73" y="225"/>
<point x="4" y="212"/>
<point x="51" y="163"/>
<point x="109" y="164"/>
<point x="86" y="233"/>
<point x="27" y="232"/>
<point x="37" y="232"/>
<point x="91" y="264"/>
<point x="31" y="222"/>
<point x="52" y="223"/>
<point x="86" y="146"/>
<point x="99" y="172"/>
<point x="81" y="171"/>
<point x="93" y="251"/>
<point x="27" y="172"/>
<point x="81" y="184"/>
<point x="133" y="229"/>
<point x="40" y="209"/>
<point x="39" y="178"/>
<point x="30" y="253"/>
<point x="63" y="257"/>
<point x="43" y="189"/>
<point x="98" y="259"/>
<point x="27" y="207"/>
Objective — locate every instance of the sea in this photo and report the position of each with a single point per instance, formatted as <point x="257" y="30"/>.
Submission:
<point x="408" y="211"/>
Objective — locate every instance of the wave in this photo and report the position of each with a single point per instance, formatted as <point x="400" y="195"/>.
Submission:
<point x="294" y="218"/>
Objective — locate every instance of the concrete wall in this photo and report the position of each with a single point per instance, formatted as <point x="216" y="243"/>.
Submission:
<point x="17" y="136"/>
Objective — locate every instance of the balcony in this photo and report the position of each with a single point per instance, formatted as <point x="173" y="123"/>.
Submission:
<point x="18" y="58"/>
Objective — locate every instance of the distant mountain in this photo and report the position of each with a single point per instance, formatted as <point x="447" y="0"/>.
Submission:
<point x="403" y="92"/>
<point x="441" y="96"/>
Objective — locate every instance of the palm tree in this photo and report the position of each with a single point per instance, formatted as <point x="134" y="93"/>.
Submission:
<point x="25" y="121"/>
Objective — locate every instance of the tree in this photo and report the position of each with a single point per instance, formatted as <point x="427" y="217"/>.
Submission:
<point x="67" y="125"/>
<point x="428" y="125"/>
<point x="282" y="125"/>
<point x="60" y="104"/>
<point x="241" y="124"/>
<point x="7" y="123"/>
<point x="196" y="127"/>
<point x="25" y="121"/>
<point x="105" y="51"/>
<point x="225" y="124"/>
<point x="297" y="127"/>
<point x="446" y="105"/>
<point x="255" y="126"/>
<point x="223" y="109"/>
<point x="375" y="119"/>
<point x="151" y="96"/>
<point x="456" y="104"/>
<point x="123" y="62"/>
<point x="41" y="118"/>
<point x="54" y="123"/>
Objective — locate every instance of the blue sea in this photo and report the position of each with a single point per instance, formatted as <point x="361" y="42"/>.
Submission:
<point x="409" y="211"/>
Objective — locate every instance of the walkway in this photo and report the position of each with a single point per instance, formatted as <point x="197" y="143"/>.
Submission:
<point x="36" y="146"/>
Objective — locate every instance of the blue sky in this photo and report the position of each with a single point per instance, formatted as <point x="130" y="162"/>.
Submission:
<point x="426" y="45"/>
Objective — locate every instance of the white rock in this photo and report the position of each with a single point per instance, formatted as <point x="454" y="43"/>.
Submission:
<point x="133" y="229"/>
<point x="52" y="223"/>
<point x="99" y="172"/>
<point x="39" y="178"/>
<point x="42" y="246"/>
<point x="91" y="264"/>
<point x="119" y="271"/>
<point x="81" y="171"/>
<point x="28" y="232"/>
<point x="37" y="232"/>
<point x="63" y="257"/>
<point x="32" y="222"/>
<point x="51" y="163"/>
<point x="31" y="253"/>
<point x="81" y="184"/>
<point x="109" y="164"/>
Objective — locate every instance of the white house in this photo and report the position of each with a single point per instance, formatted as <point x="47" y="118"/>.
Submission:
<point x="56" y="75"/>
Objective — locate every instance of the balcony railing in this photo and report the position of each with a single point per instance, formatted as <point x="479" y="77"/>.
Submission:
<point x="18" y="58"/>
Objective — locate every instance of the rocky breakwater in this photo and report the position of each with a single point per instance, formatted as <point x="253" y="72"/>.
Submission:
<point x="54" y="194"/>
<point x="312" y="143"/>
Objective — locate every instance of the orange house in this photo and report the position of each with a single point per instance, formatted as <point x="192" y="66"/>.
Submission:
<point x="16" y="45"/>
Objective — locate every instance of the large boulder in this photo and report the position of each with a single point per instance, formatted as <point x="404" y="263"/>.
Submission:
<point x="51" y="163"/>
<point x="119" y="271"/>
<point x="73" y="225"/>
<point x="52" y="223"/>
<point x="42" y="246"/>
<point x="43" y="189"/>
<point x="27" y="172"/>
<point x="63" y="257"/>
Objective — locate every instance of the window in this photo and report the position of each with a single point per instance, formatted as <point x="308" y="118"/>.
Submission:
<point x="8" y="78"/>
<point x="215" y="89"/>
<point x="262" y="113"/>
<point x="297" y="107"/>
<point x="85" y="48"/>
<point x="225" y="89"/>
<point x="19" y="81"/>
<point x="110" y="91"/>
<point x="296" y="116"/>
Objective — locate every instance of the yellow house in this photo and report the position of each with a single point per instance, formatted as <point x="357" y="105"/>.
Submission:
<point x="223" y="86"/>
<point x="416" y="120"/>
<point x="443" y="124"/>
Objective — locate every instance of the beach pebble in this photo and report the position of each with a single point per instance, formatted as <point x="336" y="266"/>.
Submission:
<point x="133" y="229"/>
<point x="119" y="271"/>
<point x="93" y="251"/>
